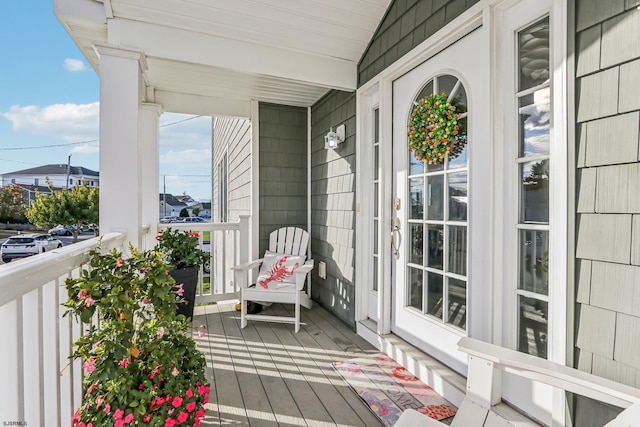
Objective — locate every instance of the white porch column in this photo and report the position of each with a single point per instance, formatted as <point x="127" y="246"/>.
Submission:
<point x="150" y="170"/>
<point x="121" y="188"/>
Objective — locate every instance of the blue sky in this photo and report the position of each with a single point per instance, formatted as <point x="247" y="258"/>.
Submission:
<point x="49" y="99"/>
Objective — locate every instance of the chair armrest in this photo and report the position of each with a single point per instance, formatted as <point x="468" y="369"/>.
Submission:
<point x="246" y="266"/>
<point x="301" y="273"/>
<point x="306" y="267"/>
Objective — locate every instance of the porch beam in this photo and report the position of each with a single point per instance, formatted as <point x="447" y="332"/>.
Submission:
<point x="236" y="55"/>
<point x="79" y="10"/>
<point x="203" y="105"/>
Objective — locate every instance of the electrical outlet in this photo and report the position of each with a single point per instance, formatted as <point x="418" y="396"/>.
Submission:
<point x="322" y="270"/>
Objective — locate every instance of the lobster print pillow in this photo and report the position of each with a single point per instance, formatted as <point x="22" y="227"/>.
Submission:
<point x="278" y="270"/>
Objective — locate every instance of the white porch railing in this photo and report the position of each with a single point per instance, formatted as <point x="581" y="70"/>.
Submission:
<point x="228" y="246"/>
<point x="488" y="361"/>
<point x="37" y="341"/>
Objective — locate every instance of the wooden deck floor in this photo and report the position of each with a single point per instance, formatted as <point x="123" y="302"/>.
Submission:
<point x="267" y="375"/>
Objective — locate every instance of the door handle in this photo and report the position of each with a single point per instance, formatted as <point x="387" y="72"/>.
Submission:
<point x="395" y="231"/>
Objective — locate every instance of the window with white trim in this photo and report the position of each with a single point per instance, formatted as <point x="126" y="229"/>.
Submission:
<point x="223" y="189"/>
<point x="438" y="222"/>
<point x="534" y="123"/>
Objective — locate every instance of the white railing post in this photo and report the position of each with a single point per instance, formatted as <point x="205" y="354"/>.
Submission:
<point x="245" y="238"/>
<point x="484" y="382"/>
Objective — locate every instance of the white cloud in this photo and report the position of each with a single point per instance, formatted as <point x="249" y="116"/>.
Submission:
<point x="192" y="158"/>
<point x="68" y="122"/>
<point x="85" y="149"/>
<point x="74" y="65"/>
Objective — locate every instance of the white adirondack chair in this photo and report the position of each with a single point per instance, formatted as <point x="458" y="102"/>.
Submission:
<point x="483" y="406"/>
<point x="288" y="241"/>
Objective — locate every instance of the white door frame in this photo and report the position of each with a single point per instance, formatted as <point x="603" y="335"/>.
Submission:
<point x="381" y="86"/>
<point x="485" y="12"/>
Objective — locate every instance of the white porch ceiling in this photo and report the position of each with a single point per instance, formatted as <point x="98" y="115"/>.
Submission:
<point x="281" y="51"/>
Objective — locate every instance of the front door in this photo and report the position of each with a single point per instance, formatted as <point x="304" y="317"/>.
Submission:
<point x="441" y="211"/>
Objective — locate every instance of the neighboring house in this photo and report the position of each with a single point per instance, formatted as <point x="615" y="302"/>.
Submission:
<point x="187" y="200"/>
<point x="170" y="205"/>
<point x="59" y="175"/>
<point x="205" y="209"/>
<point x="529" y="239"/>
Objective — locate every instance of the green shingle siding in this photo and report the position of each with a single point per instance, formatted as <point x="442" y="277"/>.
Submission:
<point x="283" y="169"/>
<point x="607" y="211"/>
<point x="406" y="24"/>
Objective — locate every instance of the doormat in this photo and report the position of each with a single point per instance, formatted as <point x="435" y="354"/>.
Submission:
<point x="388" y="388"/>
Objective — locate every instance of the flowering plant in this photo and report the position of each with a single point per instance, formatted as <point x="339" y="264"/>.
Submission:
<point x="181" y="248"/>
<point x="433" y="130"/>
<point x="141" y="366"/>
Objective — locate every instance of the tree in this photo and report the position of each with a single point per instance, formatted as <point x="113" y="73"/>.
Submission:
<point x="184" y="213"/>
<point x="196" y="210"/>
<point x="76" y="206"/>
<point x="11" y="203"/>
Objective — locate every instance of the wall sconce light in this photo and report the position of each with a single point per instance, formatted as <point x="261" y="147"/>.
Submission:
<point x="332" y="139"/>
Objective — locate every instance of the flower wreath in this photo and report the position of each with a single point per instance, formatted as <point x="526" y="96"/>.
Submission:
<point x="433" y="127"/>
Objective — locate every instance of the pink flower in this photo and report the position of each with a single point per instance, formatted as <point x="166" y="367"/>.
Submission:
<point x="82" y="295"/>
<point x="141" y="386"/>
<point x="118" y="414"/>
<point x="191" y="406"/>
<point x="90" y="425"/>
<point x="89" y="366"/>
<point x="119" y="262"/>
<point x="107" y="408"/>
<point x="200" y="334"/>
<point x="76" y="416"/>
<point x="182" y="417"/>
<point x="189" y="393"/>
<point x="203" y="326"/>
<point x="177" y="401"/>
<point x="119" y="423"/>
<point x="146" y="301"/>
<point x="160" y="332"/>
<point x="203" y="389"/>
<point x="88" y="302"/>
<point x="128" y="418"/>
<point x="147" y="418"/>
<point x="124" y="362"/>
<point x="91" y="388"/>
<point x="170" y="422"/>
<point x="175" y="372"/>
<point x="179" y="289"/>
<point x="79" y="424"/>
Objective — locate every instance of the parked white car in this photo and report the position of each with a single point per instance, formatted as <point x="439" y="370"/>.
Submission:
<point x="194" y="219"/>
<point x="24" y="245"/>
<point x="61" y="230"/>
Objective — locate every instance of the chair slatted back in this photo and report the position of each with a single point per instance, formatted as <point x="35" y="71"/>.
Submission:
<point x="289" y="240"/>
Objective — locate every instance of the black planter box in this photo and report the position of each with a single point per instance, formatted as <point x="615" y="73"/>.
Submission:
<point x="188" y="276"/>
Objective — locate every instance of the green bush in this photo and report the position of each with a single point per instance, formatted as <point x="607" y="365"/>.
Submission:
<point x="141" y="365"/>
